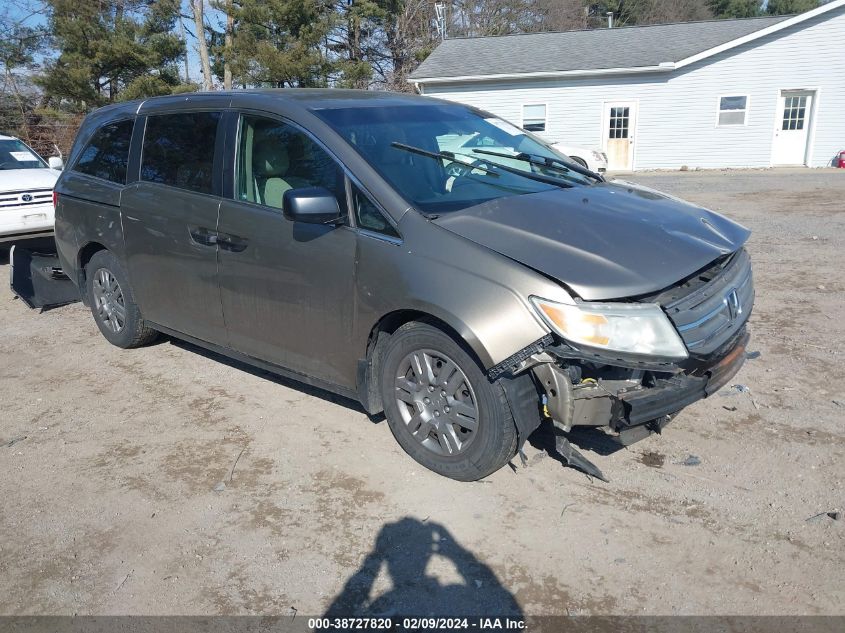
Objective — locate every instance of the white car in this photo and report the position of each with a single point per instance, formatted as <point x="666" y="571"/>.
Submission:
<point x="592" y="159"/>
<point x="26" y="190"/>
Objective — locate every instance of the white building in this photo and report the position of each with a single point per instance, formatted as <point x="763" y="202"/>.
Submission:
<point x="757" y="92"/>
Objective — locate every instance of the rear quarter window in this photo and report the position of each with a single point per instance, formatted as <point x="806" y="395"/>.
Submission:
<point x="179" y="150"/>
<point x="107" y="153"/>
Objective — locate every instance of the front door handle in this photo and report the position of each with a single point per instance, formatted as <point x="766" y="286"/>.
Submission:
<point x="203" y="236"/>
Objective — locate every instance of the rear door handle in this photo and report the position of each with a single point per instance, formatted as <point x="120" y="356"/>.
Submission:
<point x="203" y="236"/>
<point x="232" y="243"/>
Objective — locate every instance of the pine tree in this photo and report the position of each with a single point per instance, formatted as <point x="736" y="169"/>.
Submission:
<point x="788" y="7"/>
<point x="281" y="43"/>
<point x="111" y="50"/>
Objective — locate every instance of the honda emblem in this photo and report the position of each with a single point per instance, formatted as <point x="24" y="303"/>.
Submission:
<point x="732" y="302"/>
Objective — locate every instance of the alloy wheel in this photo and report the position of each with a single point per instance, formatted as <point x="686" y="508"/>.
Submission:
<point x="109" y="301"/>
<point x="436" y="402"/>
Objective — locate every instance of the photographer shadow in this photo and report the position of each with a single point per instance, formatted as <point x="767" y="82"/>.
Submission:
<point x="404" y="549"/>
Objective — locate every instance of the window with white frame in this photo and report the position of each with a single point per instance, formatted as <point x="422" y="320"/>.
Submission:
<point x="732" y="110"/>
<point x="534" y="117"/>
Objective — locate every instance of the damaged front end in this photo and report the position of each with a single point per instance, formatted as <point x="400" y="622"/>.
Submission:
<point x="631" y="395"/>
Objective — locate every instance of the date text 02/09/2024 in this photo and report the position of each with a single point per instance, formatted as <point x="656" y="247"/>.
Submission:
<point x="415" y="624"/>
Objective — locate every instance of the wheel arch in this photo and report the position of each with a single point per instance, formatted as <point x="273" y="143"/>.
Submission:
<point x="84" y="256"/>
<point x="369" y="368"/>
<point x="87" y="252"/>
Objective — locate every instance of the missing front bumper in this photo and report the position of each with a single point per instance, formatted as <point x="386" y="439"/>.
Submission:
<point x="673" y="394"/>
<point x="625" y="404"/>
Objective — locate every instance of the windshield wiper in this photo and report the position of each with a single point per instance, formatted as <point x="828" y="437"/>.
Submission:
<point x="442" y="155"/>
<point x="549" y="180"/>
<point x="544" y="161"/>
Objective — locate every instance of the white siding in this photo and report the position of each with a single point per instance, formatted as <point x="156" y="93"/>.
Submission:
<point x="678" y="110"/>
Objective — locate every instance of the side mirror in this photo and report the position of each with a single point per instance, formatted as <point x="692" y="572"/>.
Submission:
<point x="311" y="205"/>
<point x="56" y="162"/>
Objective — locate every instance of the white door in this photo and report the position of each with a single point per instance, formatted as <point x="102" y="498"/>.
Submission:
<point x="792" y="127"/>
<point x="620" y="119"/>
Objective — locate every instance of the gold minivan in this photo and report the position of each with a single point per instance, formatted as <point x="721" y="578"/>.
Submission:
<point x="424" y="258"/>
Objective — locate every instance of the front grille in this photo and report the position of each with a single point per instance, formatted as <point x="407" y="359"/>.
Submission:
<point x="16" y="199"/>
<point x="715" y="307"/>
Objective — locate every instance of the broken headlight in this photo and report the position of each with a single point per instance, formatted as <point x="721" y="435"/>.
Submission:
<point x="632" y="328"/>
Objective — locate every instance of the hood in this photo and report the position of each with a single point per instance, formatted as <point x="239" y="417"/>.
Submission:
<point x="19" y="179"/>
<point x="605" y="241"/>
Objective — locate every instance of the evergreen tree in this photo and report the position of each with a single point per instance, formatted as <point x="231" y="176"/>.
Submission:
<point x="281" y="43"/>
<point x="111" y="50"/>
<point x="788" y="7"/>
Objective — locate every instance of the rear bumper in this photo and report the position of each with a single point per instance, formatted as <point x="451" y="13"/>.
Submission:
<point x="26" y="235"/>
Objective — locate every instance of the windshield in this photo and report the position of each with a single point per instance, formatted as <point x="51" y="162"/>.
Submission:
<point x="15" y="154"/>
<point x="444" y="157"/>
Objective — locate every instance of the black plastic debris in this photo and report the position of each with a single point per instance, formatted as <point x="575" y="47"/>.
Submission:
<point x="37" y="278"/>
<point x="575" y="459"/>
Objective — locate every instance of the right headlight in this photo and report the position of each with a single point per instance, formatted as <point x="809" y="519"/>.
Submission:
<point x="632" y="328"/>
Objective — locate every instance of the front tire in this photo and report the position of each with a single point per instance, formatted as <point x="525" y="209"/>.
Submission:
<point x="441" y="407"/>
<point x="113" y="304"/>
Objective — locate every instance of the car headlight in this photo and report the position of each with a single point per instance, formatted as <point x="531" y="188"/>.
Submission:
<point x="632" y="328"/>
<point x="598" y="155"/>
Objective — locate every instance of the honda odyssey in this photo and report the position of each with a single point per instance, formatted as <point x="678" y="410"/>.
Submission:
<point x="354" y="241"/>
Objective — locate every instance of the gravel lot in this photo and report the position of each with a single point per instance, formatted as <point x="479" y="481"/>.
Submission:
<point x="112" y="463"/>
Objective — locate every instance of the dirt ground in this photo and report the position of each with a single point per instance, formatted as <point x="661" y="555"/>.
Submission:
<point x="169" y="481"/>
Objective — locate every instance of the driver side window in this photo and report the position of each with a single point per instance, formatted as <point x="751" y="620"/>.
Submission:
<point x="274" y="157"/>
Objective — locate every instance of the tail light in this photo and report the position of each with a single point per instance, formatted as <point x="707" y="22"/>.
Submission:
<point x="55" y="199"/>
<point x="841" y="160"/>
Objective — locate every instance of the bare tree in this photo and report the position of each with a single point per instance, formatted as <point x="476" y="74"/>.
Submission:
<point x="198" y="9"/>
<point x="184" y="39"/>
<point x="665" y="11"/>
<point x="409" y="38"/>
<point x="562" y="15"/>
<point x="228" y="41"/>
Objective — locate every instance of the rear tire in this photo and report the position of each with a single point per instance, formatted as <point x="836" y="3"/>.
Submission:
<point x="441" y="407"/>
<point x="113" y="304"/>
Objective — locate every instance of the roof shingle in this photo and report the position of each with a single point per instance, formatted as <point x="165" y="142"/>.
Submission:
<point x="597" y="49"/>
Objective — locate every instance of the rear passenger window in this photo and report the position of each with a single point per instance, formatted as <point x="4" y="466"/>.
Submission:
<point x="107" y="153"/>
<point x="179" y="150"/>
